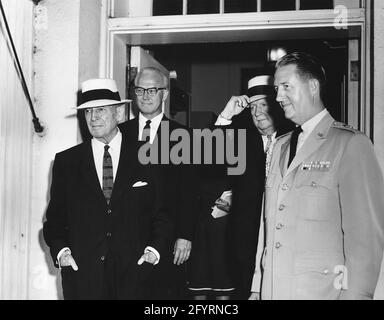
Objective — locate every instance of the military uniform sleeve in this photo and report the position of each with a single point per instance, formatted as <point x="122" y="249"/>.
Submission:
<point x="256" y="281"/>
<point x="362" y="213"/>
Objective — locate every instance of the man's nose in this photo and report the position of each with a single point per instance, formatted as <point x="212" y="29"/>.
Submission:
<point x="94" y="115"/>
<point x="279" y="96"/>
<point x="145" y="95"/>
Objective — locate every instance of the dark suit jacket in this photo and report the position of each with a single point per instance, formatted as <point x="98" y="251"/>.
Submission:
<point x="181" y="184"/>
<point x="78" y="217"/>
<point x="181" y="180"/>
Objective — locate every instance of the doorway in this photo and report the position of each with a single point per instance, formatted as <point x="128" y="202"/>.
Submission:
<point x="240" y="42"/>
<point x="208" y="74"/>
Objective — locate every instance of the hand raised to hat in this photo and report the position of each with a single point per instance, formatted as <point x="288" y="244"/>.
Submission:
<point x="234" y="106"/>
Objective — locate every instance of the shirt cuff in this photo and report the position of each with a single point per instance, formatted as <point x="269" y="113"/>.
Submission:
<point x="155" y="252"/>
<point x="60" y="253"/>
<point x="221" y="121"/>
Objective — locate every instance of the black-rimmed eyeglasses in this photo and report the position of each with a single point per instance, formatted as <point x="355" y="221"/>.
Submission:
<point x="139" y="91"/>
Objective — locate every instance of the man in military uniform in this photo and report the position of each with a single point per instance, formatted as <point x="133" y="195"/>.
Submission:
<point x="324" y="206"/>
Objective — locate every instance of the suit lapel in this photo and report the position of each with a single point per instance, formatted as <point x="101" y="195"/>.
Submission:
<point x="314" y="141"/>
<point x="88" y="171"/>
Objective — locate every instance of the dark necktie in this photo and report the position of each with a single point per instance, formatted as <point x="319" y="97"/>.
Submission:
<point x="293" y="144"/>
<point x="146" y="135"/>
<point x="107" y="174"/>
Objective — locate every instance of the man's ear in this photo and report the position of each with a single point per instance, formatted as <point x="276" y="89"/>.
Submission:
<point x="165" y="94"/>
<point x="120" y="113"/>
<point x="314" y="86"/>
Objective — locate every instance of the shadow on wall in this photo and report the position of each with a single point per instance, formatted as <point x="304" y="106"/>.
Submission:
<point x="53" y="271"/>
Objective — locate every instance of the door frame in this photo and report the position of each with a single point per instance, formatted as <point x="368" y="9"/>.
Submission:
<point x="120" y="32"/>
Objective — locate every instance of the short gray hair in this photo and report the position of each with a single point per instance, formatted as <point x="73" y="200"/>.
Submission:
<point x="152" y="70"/>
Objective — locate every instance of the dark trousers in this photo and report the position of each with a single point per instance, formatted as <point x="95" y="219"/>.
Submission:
<point x="110" y="278"/>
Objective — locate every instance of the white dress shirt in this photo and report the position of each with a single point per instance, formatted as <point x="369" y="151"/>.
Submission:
<point x="308" y="127"/>
<point x="265" y="141"/>
<point x="221" y="121"/>
<point x="98" y="154"/>
<point x="155" y="123"/>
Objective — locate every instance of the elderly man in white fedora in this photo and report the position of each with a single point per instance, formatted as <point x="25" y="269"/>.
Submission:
<point x="263" y="119"/>
<point x="107" y="222"/>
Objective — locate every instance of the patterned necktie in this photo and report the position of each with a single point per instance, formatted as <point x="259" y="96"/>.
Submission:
<point x="293" y="143"/>
<point x="268" y="153"/>
<point x="107" y="174"/>
<point x="146" y="135"/>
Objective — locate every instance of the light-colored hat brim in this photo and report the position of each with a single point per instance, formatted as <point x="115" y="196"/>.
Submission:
<point x="100" y="103"/>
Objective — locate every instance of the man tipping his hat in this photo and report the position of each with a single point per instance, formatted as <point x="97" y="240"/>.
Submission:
<point x="106" y="223"/>
<point x="263" y="119"/>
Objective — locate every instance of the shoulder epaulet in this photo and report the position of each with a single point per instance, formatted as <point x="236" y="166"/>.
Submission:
<point x="343" y="126"/>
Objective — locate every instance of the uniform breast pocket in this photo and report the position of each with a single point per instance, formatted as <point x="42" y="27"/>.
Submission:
<point x="317" y="195"/>
<point x="316" y="183"/>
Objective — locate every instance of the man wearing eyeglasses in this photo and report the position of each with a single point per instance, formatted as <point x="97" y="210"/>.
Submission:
<point x="151" y="91"/>
<point x="263" y="120"/>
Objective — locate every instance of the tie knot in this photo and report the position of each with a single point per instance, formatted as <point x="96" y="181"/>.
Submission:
<point x="269" y="137"/>
<point x="298" y="130"/>
<point x="106" y="147"/>
<point x="147" y="124"/>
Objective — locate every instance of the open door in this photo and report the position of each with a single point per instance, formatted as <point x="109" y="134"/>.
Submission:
<point x="140" y="58"/>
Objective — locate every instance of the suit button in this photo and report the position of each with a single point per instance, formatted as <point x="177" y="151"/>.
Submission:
<point x="277" y="245"/>
<point x="285" y="187"/>
<point x="109" y="211"/>
<point x="102" y="258"/>
<point x="281" y="207"/>
<point x="279" y="226"/>
<point x="326" y="271"/>
<point x="109" y="234"/>
<point x="314" y="184"/>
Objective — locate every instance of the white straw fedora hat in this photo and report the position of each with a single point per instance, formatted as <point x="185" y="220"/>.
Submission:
<point x="260" y="87"/>
<point x="99" y="93"/>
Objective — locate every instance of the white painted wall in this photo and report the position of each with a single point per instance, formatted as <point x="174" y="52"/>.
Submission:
<point x="132" y="8"/>
<point x="378" y="30"/>
<point x="67" y="52"/>
<point x="15" y="151"/>
<point x="56" y="64"/>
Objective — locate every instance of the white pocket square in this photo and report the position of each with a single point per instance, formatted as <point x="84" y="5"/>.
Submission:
<point x="139" y="184"/>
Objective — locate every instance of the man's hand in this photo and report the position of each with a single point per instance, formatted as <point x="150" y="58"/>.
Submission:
<point x="181" y="251"/>
<point x="234" y="106"/>
<point x="66" y="260"/>
<point x="254" y="296"/>
<point x="149" y="257"/>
